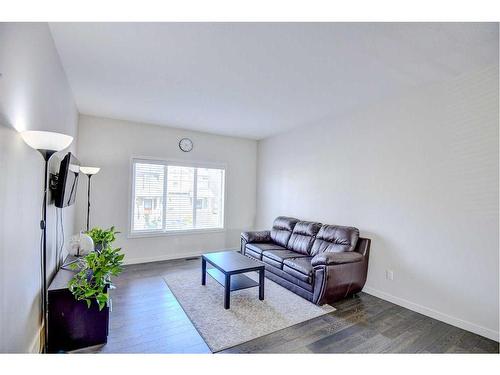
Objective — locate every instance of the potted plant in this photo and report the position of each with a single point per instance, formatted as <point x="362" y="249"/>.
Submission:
<point x="93" y="279"/>
<point x="102" y="237"/>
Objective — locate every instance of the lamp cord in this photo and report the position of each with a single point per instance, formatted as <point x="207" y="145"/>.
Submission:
<point x="60" y="248"/>
<point x="62" y="233"/>
<point x="42" y="301"/>
<point x="57" y="238"/>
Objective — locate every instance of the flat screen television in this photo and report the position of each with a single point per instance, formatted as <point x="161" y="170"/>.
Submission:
<point x="67" y="181"/>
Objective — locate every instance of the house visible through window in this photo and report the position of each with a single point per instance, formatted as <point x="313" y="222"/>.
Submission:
<point x="169" y="197"/>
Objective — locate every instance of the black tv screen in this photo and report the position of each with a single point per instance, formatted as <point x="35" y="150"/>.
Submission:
<point x="67" y="181"/>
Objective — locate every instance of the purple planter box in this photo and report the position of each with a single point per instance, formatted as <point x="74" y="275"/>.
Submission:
<point x="71" y="324"/>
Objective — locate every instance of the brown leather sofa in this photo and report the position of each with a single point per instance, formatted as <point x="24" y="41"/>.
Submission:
<point x="322" y="263"/>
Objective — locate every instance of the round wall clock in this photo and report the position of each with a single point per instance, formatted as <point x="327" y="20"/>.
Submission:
<point x="185" y="144"/>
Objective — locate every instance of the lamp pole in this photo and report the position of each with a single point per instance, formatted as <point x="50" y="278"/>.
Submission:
<point x="88" y="203"/>
<point x="43" y="226"/>
<point x="89" y="171"/>
<point x="47" y="143"/>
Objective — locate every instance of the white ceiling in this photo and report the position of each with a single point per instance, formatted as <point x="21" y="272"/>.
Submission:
<point x="258" y="79"/>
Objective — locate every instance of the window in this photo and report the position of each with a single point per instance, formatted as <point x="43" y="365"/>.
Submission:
<point x="171" y="197"/>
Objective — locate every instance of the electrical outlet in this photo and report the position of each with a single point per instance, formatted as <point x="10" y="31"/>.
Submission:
<point x="389" y="275"/>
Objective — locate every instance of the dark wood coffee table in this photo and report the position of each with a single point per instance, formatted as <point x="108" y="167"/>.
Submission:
<point x="228" y="271"/>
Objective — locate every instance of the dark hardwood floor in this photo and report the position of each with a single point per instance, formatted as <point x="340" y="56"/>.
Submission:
<point x="146" y="318"/>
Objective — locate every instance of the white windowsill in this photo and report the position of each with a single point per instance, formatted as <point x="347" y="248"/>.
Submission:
<point x="146" y="234"/>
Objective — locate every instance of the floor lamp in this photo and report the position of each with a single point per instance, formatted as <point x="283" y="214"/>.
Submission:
<point x="47" y="143"/>
<point x="89" y="171"/>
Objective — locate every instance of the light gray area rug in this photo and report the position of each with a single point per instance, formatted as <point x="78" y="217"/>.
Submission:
<point x="248" y="317"/>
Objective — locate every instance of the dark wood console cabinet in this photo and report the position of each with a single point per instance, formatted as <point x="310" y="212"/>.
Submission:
<point x="71" y="325"/>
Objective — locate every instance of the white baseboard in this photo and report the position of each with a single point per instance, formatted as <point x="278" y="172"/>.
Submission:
<point x="159" y="258"/>
<point x="454" y="321"/>
<point x="35" y="347"/>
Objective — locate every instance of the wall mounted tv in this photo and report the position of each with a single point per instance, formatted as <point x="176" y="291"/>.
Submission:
<point x="67" y="181"/>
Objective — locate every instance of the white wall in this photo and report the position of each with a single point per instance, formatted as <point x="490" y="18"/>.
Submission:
<point x="34" y="95"/>
<point x="416" y="173"/>
<point x="110" y="144"/>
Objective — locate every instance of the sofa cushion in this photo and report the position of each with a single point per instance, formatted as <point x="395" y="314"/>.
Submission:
<point x="253" y="254"/>
<point x="282" y="229"/>
<point x="261" y="247"/>
<point x="281" y="275"/>
<point x="302" y="237"/>
<point x="301" y="268"/>
<point x="335" y="239"/>
<point x="272" y="262"/>
<point x="276" y="257"/>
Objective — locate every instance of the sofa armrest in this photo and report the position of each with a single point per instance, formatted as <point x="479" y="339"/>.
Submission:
<point x="256" y="236"/>
<point x="327" y="258"/>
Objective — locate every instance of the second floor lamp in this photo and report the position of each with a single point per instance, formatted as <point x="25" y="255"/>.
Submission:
<point x="89" y="171"/>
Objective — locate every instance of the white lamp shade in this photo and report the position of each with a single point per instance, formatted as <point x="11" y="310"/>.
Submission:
<point x="89" y="170"/>
<point x="80" y="244"/>
<point x="74" y="168"/>
<point x="86" y="244"/>
<point x="40" y="140"/>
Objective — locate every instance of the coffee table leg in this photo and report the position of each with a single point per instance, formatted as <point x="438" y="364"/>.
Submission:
<point x="227" y="291"/>
<point x="203" y="271"/>
<point x="261" y="285"/>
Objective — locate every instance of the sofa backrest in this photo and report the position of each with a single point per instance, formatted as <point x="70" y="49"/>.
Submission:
<point x="282" y="229"/>
<point x="335" y="239"/>
<point x="302" y="237"/>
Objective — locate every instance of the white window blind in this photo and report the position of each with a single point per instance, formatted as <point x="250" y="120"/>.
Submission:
<point x="180" y="195"/>
<point x="148" y="196"/>
<point x="169" y="197"/>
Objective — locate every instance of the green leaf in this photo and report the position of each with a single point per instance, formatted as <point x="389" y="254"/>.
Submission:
<point x="97" y="268"/>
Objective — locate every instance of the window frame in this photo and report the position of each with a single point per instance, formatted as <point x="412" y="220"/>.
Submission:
<point x="174" y="162"/>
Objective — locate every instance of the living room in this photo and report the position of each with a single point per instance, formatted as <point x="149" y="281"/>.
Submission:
<point x="263" y="187"/>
